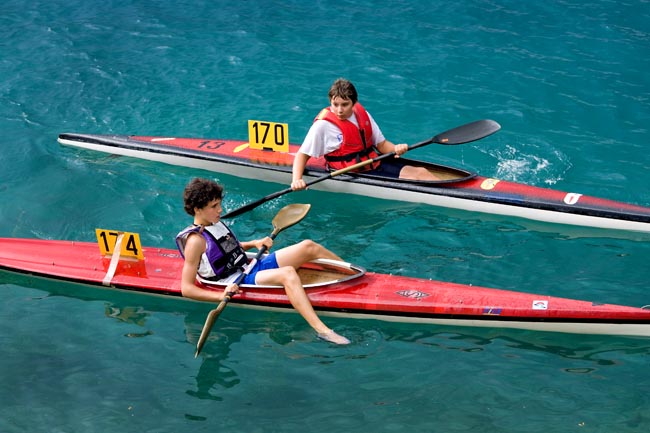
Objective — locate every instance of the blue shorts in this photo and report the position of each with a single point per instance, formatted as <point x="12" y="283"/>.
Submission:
<point x="267" y="262"/>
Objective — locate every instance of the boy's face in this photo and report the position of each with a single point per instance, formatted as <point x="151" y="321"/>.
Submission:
<point x="211" y="213"/>
<point x="341" y="107"/>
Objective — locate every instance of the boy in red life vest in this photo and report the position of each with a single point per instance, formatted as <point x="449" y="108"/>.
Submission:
<point x="346" y="134"/>
<point x="211" y="250"/>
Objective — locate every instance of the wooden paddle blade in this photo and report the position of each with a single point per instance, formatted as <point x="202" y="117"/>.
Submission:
<point x="468" y="132"/>
<point x="212" y="317"/>
<point x="289" y="215"/>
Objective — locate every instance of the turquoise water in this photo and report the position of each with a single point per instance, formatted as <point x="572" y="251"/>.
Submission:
<point x="568" y="82"/>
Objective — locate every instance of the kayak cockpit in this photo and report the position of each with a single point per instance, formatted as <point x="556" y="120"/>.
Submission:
<point x="318" y="273"/>
<point x="445" y="173"/>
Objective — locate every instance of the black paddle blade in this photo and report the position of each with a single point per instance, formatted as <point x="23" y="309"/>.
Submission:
<point x="468" y="132"/>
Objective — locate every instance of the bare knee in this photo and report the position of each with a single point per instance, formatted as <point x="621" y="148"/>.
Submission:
<point x="417" y="173"/>
<point x="310" y="249"/>
<point x="288" y="276"/>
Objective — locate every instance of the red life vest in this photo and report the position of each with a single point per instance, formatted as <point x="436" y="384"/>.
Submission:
<point x="357" y="143"/>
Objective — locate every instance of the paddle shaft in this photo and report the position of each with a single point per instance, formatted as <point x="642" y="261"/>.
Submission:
<point x="254" y="204"/>
<point x="462" y="134"/>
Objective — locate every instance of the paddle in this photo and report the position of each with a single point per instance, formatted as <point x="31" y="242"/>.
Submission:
<point x="462" y="134"/>
<point x="285" y="218"/>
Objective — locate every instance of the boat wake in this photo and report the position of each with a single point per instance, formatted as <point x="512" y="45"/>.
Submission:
<point x="515" y="166"/>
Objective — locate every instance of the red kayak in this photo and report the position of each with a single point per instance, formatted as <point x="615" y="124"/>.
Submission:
<point x="458" y="189"/>
<point x="335" y="288"/>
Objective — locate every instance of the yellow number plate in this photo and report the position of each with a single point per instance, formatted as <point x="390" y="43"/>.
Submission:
<point x="268" y="135"/>
<point x="131" y="246"/>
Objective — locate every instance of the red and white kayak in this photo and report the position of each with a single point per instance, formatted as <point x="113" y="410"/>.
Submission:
<point x="459" y="189"/>
<point x="335" y="288"/>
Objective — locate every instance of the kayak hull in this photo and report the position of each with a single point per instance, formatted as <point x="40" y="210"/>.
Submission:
<point x="369" y="296"/>
<point x="458" y="189"/>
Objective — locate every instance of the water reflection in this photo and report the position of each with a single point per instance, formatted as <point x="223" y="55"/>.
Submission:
<point x="216" y="370"/>
<point x="214" y="373"/>
<point x="598" y="350"/>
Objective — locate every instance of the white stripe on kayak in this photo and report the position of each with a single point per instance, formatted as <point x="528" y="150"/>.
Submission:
<point x="117" y="250"/>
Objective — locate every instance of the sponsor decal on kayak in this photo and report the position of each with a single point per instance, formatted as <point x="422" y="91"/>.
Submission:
<point x="413" y="294"/>
<point x="540" y="305"/>
<point x="240" y="148"/>
<point x="491" y="311"/>
<point x="572" y="198"/>
<point x="489" y="184"/>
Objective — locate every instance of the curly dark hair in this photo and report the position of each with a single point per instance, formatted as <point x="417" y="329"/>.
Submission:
<point x="199" y="192"/>
<point x="343" y="89"/>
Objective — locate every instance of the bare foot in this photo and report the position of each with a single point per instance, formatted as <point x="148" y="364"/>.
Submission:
<point x="333" y="337"/>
